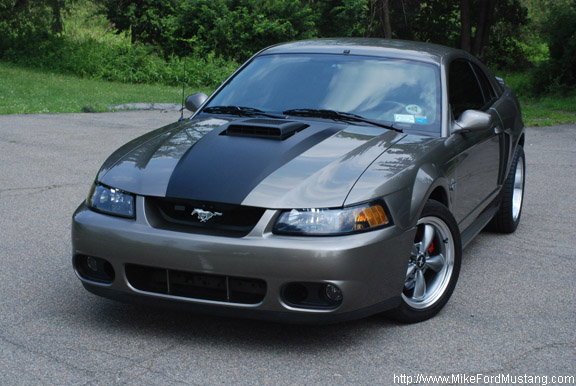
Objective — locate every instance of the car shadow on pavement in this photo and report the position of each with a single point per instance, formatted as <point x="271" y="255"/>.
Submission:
<point x="197" y="328"/>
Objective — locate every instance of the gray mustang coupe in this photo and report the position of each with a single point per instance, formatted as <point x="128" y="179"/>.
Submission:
<point x="325" y="180"/>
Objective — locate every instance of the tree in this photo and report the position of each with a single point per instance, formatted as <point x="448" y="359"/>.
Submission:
<point x="466" y="26"/>
<point x="344" y="18"/>
<point x="558" y="74"/>
<point x="489" y="14"/>
<point x="238" y="28"/>
<point x="23" y="23"/>
<point x="380" y="15"/>
<point x="46" y="15"/>
<point x="485" y="21"/>
<point x="149" y="21"/>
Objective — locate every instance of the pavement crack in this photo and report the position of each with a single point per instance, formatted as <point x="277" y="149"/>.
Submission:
<point x="33" y="189"/>
<point x="525" y="354"/>
<point x="40" y="353"/>
<point x="510" y="365"/>
<point x="146" y="365"/>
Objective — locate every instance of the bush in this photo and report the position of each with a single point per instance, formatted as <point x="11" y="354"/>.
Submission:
<point x="149" y="21"/>
<point x="229" y="28"/>
<point x="120" y="61"/>
<point x="558" y="75"/>
<point x="520" y="82"/>
<point x="92" y="51"/>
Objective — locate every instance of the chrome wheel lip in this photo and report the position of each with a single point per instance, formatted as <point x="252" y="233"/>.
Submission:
<point x="518" y="189"/>
<point x="436" y="283"/>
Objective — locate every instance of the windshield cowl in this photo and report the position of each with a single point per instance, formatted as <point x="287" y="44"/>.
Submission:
<point x="240" y="111"/>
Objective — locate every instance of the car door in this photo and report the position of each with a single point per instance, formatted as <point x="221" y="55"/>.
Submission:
<point x="476" y="178"/>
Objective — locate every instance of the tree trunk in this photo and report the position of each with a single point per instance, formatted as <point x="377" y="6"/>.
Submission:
<point x="20" y="5"/>
<point x="482" y="36"/>
<point x="372" y="17"/>
<point x="380" y="10"/>
<point x="466" y="27"/>
<point x="56" y="16"/>
<point x="386" y="19"/>
<point x="485" y="39"/>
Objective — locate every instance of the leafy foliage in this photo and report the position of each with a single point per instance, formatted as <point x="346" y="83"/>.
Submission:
<point x="555" y="23"/>
<point x="19" y="17"/>
<point x="433" y="21"/>
<point x="562" y="43"/>
<point x="120" y="61"/>
<point x="229" y="28"/>
<point x="22" y="20"/>
<point x="153" y="36"/>
<point x="238" y="29"/>
<point x="336" y="18"/>
<point x="150" y="21"/>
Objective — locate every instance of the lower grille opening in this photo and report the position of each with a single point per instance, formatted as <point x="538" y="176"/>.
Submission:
<point x="192" y="285"/>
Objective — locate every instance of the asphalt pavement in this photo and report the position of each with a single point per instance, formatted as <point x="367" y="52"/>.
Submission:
<point x="513" y="312"/>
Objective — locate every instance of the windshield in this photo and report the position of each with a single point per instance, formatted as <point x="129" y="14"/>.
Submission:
<point x="402" y="93"/>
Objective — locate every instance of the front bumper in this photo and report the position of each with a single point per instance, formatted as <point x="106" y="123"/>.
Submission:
<point x="369" y="268"/>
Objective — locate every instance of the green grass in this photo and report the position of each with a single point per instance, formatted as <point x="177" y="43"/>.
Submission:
<point x="541" y="111"/>
<point x="29" y="91"/>
<point x="549" y="110"/>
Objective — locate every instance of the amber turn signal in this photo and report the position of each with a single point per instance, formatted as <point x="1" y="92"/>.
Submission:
<point x="372" y="216"/>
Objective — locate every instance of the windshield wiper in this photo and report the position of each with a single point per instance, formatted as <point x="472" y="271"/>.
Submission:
<point x="338" y="116"/>
<point x="241" y="111"/>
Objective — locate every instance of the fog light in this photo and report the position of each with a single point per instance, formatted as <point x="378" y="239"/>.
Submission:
<point x="94" y="269"/>
<point x="333" y="293"/>
<point x="92" y="263"/>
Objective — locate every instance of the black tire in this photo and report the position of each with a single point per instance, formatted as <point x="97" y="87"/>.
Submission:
<point x="434" y="265"/>
<point x="507" y="218"/>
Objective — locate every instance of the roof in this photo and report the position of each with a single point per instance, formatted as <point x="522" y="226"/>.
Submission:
<point x="390" y="48"/>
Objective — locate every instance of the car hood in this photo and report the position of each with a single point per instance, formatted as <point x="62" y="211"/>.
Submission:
<point x="202" y="160"/>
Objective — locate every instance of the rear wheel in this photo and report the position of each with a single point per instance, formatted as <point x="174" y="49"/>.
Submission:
<point x="433" y="265"/>
<point x="507" y="218"/>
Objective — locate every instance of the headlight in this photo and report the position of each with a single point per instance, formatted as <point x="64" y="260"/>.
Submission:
<point x="326" y="222"/>
<point x="111" y="201"/>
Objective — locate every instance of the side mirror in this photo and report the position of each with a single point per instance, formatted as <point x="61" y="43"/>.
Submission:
<point x="472" y="120"/>
<point x="194" y="101"/>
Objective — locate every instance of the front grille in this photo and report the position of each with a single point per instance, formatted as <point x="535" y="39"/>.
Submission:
<point x="202" y="217"/>
<point x="192" y="285"/>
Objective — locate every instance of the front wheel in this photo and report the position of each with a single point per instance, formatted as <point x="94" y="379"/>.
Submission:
<point x="433" y="265"/>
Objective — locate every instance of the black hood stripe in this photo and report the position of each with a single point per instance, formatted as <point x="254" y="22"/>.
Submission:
<point x="222" y="168"/>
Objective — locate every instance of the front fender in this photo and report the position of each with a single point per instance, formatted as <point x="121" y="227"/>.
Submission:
<point x="407" y="204"/>
<point x="405" y="176"/>
<point x="428" y="179"/>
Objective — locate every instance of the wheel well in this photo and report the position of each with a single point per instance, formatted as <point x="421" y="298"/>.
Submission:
<point x="521" y="141"/>
<point x="439" y="194"/>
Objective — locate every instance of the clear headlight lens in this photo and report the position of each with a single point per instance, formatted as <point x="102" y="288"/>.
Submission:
<point x="111" y="201"/>
<point x="325" y="222"/>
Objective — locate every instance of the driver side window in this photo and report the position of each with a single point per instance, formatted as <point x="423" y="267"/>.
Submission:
<point x="463" y="88"/>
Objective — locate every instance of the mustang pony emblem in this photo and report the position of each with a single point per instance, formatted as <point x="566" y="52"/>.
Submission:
<point x="204" y="215"/>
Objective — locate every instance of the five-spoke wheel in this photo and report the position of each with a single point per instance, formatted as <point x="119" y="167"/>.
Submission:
<point x="431" y="263"/>
<point x="433" y="266"/>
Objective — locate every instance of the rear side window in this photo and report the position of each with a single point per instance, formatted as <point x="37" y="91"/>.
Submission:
<point x="487" y="90"/>
<point x="464" y="91"/>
